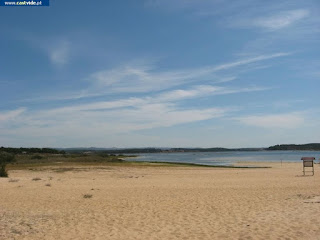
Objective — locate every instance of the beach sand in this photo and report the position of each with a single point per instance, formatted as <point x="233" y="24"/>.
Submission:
<point x="132" y="202"/>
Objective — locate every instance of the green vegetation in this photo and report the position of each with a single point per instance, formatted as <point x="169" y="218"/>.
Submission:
<point x="33" y="161"/>
<point x="3" y="172"/>
<point x="5" y="158"/>
<point x="68" y="162"/>
<point x="113" y="151"/>
<point x="30" y="150"/>
<point x="37" y="157"/>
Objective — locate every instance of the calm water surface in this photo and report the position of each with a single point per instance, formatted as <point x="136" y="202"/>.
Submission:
<point x="228" y="158"/>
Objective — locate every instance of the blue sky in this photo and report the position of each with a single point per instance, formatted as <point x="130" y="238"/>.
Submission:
<point x="160" y="73"/>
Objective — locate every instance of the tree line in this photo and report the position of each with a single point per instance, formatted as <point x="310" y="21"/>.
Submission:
<point x="30" y="150"/>
<point x="301" y="147"/>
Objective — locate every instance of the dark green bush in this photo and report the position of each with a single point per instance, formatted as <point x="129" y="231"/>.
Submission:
<point x="3" y="172"/>
<point x="5" y="158"/>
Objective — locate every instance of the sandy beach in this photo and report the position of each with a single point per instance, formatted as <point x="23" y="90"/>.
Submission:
<point x="160" y="202"/>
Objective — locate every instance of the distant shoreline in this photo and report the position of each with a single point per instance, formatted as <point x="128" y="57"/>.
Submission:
<point x="281" y="147"/>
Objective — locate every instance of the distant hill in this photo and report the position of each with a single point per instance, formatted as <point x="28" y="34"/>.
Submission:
<point x="309" y="146"/>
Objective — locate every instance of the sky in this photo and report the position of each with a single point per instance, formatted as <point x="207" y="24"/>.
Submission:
<point x="160" y="73"/>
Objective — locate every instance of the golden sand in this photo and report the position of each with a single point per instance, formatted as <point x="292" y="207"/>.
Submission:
<point x="121" y="202"/>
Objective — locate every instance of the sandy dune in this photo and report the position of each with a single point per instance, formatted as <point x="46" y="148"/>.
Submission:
<point x="160" y="203"/>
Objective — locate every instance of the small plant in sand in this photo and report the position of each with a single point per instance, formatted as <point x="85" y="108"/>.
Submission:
<point x="5" y="158"/>
<point x="36" y="179"/>
<point x="13" y="180"/>
<point x="48" y="185"/>
<point x="87" y="196"/>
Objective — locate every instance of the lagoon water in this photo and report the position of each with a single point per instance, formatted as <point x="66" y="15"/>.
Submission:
<point x="228" y="158"/>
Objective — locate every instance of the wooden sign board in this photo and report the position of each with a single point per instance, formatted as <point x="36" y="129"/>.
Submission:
<point x="308" y="163"/>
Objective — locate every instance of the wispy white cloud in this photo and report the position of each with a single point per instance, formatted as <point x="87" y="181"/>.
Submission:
<point x="120" y="116"/>
<point x="271" y="21"/>
<point x="249" y="60"/>
<point x="108" y="121"/>
<point x="10" y="115"/>
<point x="126" y="116"/>
<point x="118" y="127"/>
<point x="203" y="91"/>
<point x="56" y="49"/>
<point x="64" y="96"/>
<point x="147" y="78"/>
<point x="271" y="15"/>
<point x="166" y="97"/>
<point x="59" y="52"/>
<point x="285" y="121"/>
<point x="280" y="20"/>
<point x="198" y="91"/>
<point x="144" y="78"/>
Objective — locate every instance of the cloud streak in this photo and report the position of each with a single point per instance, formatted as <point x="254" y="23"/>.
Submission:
<point x="132" y="79"/>
<point x="284" y="121"/>
<point x="280" y="20"/>
<point x="11" y="115"/>
<point x="146" y="78"/>
<point x="166" y="97"/>
<point x="120" y="116"/>
<point x="108" y="121"/>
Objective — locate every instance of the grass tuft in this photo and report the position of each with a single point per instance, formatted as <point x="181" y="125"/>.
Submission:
<point x="36" y="179"/>
<point x="87" y="196"/>
<point x="13" y="180"/>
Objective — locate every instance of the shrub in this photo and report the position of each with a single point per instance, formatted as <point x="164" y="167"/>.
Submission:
<point x="5" y="158"/>
<point x="3" y="172"/>
<point x="36" y="157"/>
